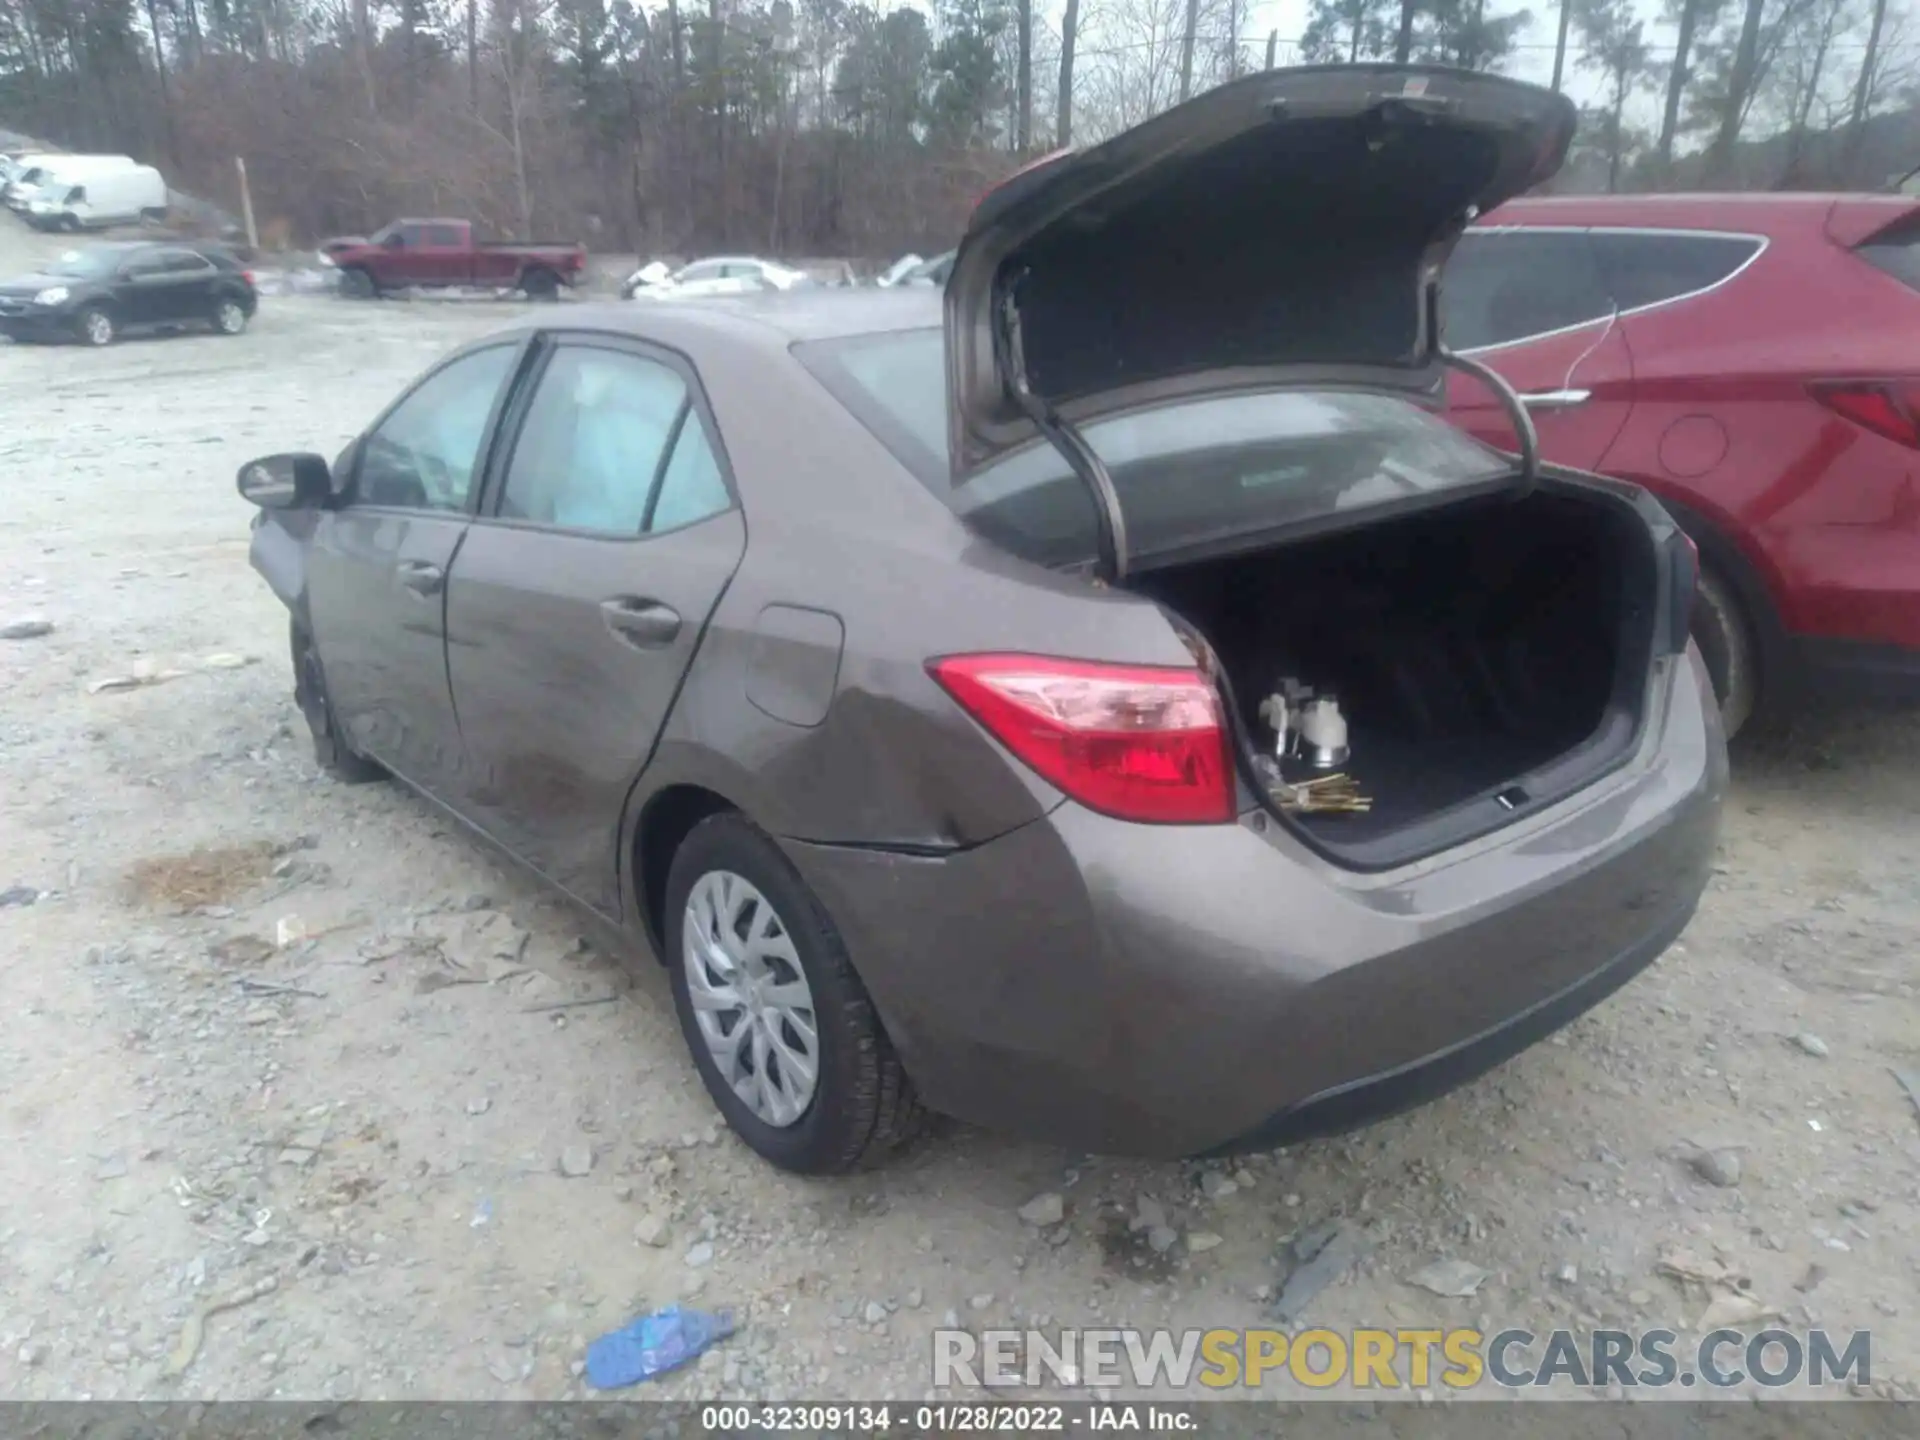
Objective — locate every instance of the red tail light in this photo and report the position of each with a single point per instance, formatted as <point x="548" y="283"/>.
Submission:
<point x="247" y="275"/>
<point x="1872" y="405"/>
<point x="1139" y="742"/>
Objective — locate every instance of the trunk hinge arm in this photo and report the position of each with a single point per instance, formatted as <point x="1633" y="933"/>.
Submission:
<point x="1009" y="357"/>
<point x="1517" y="412"/>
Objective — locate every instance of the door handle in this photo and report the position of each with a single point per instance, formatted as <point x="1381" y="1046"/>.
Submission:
<point x="1555" y="399"/>
<point x="644" y="623"/>
<point x="421" y="577"/>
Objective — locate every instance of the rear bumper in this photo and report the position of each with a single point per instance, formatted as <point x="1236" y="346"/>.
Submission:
<point x="1172" y="991"/>
<point x="1362" y="1102"/>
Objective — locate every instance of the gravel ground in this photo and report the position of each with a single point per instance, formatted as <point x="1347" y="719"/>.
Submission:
<point x="381" y="1118"/>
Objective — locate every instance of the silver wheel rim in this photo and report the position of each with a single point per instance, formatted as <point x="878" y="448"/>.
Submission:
<point x="229" y="318"/>
<point x="99" y="328"/>
<point x="751" y="1000"/>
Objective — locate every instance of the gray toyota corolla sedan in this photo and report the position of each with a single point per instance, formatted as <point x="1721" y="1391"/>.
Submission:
<point x="1103" y="702"/>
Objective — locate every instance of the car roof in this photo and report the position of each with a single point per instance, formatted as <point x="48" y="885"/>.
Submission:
<point x="1709" y="210"/>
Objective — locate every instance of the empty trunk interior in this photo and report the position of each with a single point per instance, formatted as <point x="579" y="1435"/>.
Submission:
<point x="1470" y="648"/>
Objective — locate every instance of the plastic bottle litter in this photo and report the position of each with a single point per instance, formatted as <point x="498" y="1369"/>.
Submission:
<point x="652" y="1345"/>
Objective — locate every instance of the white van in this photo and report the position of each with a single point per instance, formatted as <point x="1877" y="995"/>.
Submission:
<point x="92" y="199"/>
<point x="55" y="174"/>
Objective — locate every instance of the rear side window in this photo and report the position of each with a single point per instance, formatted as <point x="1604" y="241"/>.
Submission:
<point x="1188" y="474"/>
<point x="1649" y="269"/>
<point x="1505" y="286"/>
<point x="1896" y="250"/>
<point x="444" y="237"/>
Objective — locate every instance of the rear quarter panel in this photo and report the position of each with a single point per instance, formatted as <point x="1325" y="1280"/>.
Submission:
<point x="836" y="526"/>
<point x="1722" y="421"/>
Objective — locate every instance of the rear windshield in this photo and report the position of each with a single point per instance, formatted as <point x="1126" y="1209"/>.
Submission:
<point x="1188" y="474"/>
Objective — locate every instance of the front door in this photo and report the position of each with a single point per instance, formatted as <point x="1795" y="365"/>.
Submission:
<point x="377" y="571"/>
<point x="1532" y="305"/>
<point x="578" y="598"/>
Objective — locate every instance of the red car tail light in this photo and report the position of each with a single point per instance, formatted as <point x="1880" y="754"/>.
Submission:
<point x="1872" y="405"/>
<point x="247" y="275"/>
<point x="1138" y="742"/>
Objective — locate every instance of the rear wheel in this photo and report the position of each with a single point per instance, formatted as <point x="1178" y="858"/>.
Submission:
<point x="1726" y="639"/>
<point x="783" y="1033"/>
<point x="229" y="316"/>
<point x="540" y="284"/>
<point x="96" y="326"/>
<point x="330" y="747"/>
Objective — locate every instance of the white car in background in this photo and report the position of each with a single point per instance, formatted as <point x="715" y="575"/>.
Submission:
<point x="717" y="275"/>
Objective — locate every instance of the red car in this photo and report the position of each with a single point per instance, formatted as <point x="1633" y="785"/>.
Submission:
<point x="1752" y="360"/>
<point x="435" y="254"/>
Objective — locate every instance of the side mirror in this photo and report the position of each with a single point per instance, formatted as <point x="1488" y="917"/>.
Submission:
<point x="287" y="482"/>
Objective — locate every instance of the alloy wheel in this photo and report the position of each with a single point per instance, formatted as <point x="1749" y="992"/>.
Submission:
<point x="751" y="1001"/>
<point x="99" y="328"/>
<point x="230" y="319"/>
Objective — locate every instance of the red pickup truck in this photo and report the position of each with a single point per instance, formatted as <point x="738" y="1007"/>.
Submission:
<point x="439" y="253"/>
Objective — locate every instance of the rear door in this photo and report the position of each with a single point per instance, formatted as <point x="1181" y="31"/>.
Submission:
<point x="577" y="600"/>
<point x="1535" y="306"/>
<point x="185" y="283"/>
<point x="377" y="569"/>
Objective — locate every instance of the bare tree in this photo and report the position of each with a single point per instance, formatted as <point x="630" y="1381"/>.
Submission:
<point x="1613" y="42"/>
<point x="1187" y="36"/>
<point x="1687" y="15"/>
<point x="1863" y="87"/>
<point x="1023" y="81"/>
<point x="1739" y="92"/>
<point x="1069" y="35"/>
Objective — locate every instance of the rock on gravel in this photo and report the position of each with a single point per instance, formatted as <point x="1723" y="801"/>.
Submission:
<point x="1047" y="1209"/>
<point x="1716" y="1167"/>
<point x="31" y="628"/>
<point x="576" y="1160"/>
<point x="1455" y="1279"/>
<point x="1812" y="1044"/>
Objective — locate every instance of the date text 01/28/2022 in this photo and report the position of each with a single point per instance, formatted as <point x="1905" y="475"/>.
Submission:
<point x="879" y="1418"/>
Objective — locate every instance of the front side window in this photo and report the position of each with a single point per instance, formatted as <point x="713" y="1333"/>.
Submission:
<point x="593" y="441"/>
<point x="1504" y="286"/>
<point x="423" y="455"/>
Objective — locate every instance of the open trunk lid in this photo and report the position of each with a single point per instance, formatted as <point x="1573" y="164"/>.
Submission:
<point x="1288" y="228"/>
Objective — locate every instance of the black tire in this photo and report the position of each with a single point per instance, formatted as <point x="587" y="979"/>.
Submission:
<point x="95" y="326"/>
<point x="1725" y="636"/>
<point x="330" y="748"/>
<point x="359" y="284"/>
<point x="863" y="1105"/>
<point x="540" y="285"/>
<point x="229" y="316"/>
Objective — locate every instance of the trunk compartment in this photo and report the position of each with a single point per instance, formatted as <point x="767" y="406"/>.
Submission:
<point x="1489" y="656"/>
